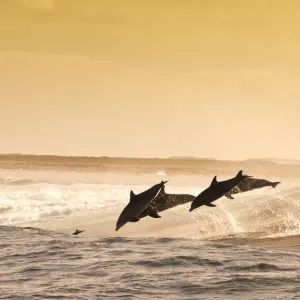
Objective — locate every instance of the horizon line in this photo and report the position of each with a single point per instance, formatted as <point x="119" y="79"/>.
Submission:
<point x="133" y="157"/>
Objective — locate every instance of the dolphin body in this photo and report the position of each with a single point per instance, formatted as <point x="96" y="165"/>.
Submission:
<point x="164" y="201"/>
<point x="249" y="184"/>
<point x="137" y="204"/>
<point x="216" y="190"/>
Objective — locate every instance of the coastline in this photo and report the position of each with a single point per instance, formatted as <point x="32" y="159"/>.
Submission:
<point x="170" y="166"/>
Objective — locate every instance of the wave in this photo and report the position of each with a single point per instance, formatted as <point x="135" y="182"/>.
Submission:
<point x="161" y="173"/>
<point x="168" y="266"/>
<point x="15" y="181"/>
<point x="25" y="229"/>
<point x="264" y="213"/>
<point x="44" y="201"/>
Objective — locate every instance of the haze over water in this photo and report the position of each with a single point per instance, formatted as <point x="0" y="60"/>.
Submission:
<point x="118" y="78"/>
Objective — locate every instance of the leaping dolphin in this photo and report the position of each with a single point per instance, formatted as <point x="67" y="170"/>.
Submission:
<point x="249" y="184"/>
<point x="216" y="190"/>
<point x="137" y="204"/>
<point x="164" y="201"/>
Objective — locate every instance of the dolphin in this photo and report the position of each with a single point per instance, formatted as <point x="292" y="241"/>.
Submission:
<point x="249" y="184"/>
<point x="164" y="201"/>
<point x="216" y="190"/>
<point x="137" y="204"/>
<point x="78" y="231"/>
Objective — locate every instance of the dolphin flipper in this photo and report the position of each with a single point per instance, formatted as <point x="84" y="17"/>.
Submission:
<point x="153" y="211"/>
<point x="228" y="196"/>
<point x="211" y="205"/>
<point x="154" y="215"/>
<point x="134" y="220"/>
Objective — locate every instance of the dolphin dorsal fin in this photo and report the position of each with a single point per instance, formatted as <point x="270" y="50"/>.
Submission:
<point x="240" y="173"/>
<point x="132" y="195"/>
<point x="214" y="181"/>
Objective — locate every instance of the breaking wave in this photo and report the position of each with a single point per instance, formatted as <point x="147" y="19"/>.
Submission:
<point x="262" y="213"/>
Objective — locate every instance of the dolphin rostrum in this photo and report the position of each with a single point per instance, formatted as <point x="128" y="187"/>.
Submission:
<point x="249" y="184"/>
<point x="137" y="204"/>
<point x="164" y="201"/>
<point x="216" y="190"/>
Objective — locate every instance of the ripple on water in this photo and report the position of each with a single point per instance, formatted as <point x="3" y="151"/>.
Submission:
<point x="183" y="261"/>
<point x="128" y="268"/>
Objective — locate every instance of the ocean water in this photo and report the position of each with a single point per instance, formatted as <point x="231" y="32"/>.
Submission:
<point x="246" y="248"/>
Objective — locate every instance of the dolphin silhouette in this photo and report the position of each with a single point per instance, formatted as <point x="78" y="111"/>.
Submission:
<point x="216" y="190"/>
<point x="249" y="184"/>
<point x="137" y="204"/>
<point x="164" y="201"/>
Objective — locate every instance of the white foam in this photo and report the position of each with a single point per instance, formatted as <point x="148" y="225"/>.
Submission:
<point x="161" y="173"/>
<point x="272" y="211"/>
<point x="19" y="206"/>
<point x="25" y="204"/>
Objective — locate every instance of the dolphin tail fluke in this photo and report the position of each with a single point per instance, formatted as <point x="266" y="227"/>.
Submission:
<point x="274" y="184"/>
<point x="229" y="196"/>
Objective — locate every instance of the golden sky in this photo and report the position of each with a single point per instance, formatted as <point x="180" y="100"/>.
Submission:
<point x="150" y="78"/>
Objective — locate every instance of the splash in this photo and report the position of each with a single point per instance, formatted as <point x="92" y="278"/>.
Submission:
<point x="161" y="173"/>
<point x="265" y="212"/>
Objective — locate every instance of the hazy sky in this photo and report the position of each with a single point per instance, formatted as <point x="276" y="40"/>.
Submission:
<point x="150" y="78"/>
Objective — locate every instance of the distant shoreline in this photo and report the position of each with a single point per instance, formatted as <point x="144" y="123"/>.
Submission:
<point x="171" y="166"/>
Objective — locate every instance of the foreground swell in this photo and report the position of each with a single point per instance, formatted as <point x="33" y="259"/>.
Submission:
<point x="43" y="265"/>
<point x="41" y="259"/>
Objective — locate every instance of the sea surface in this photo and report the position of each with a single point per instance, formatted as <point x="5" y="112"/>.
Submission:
<point x="246" y="248"/>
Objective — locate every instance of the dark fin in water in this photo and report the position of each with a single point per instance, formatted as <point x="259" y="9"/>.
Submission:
<point x="210" y="205"/>
<point x="214" y="181"/>
<point x="134" y="220"/>
<point x="228" y="196"/>
<point x="274" y="184"/>
<point x="132" y="195"/>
